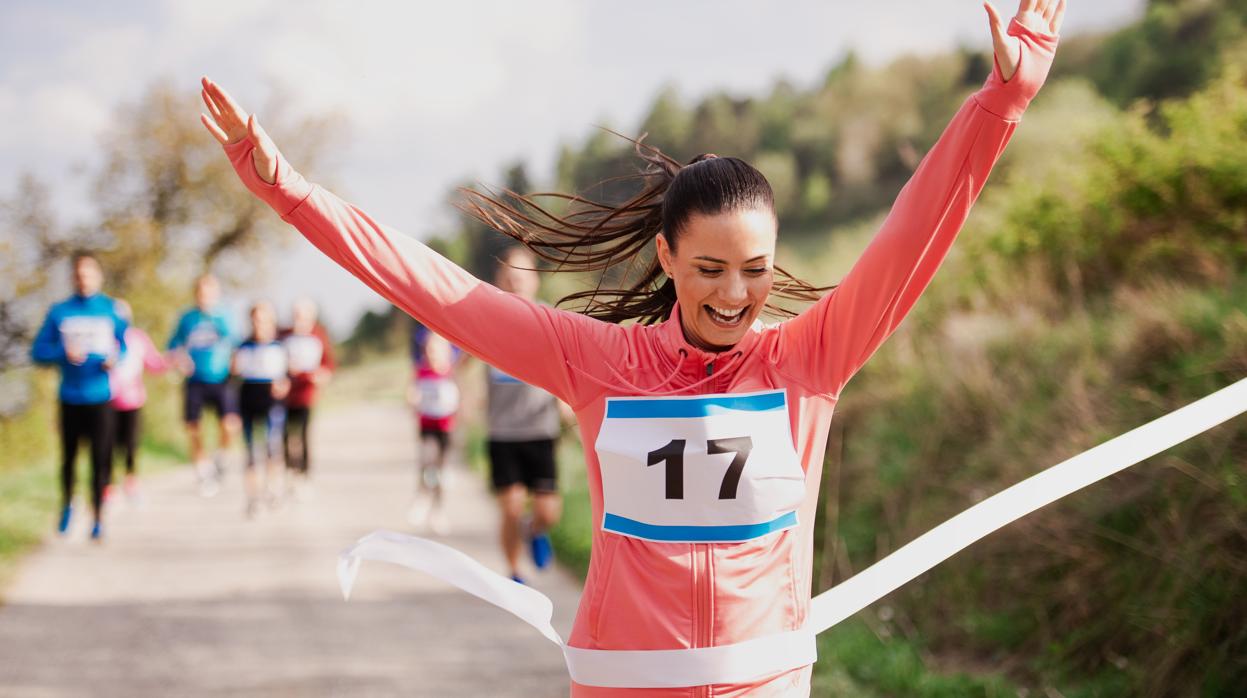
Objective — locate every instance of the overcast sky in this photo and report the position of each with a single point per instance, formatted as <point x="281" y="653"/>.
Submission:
<point x="433" y="95"/>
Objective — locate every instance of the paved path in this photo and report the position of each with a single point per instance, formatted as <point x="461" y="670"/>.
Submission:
<point x="187" y="598"/>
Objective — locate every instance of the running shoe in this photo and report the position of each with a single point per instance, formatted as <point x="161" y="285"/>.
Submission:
<point x="97" y="532"/>
<point x="418" y="512"/>
<point x="66" y="515"/>
<point x="518" y="579"/>
<point x="209" y="479"/>
<point x="110" y="493"/>
<point x="219" y="461"/>
<point x="542" y="550"/>
<point x="208" y="487"/>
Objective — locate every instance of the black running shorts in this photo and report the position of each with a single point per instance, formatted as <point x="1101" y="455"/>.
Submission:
<point x="528" y="463"/>
<point x="220" y="396"/>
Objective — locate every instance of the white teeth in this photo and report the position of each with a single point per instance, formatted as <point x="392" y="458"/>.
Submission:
<point x="728" y="314"/>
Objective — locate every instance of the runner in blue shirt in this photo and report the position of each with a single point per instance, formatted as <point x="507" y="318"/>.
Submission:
<point x="84" y="336"/>
<point x="205" y="342"/>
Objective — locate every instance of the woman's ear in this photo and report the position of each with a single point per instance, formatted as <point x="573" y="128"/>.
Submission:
<point x="664" y="253"/>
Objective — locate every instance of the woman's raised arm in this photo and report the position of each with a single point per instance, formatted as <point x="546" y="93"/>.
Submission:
<point x="830" y="341"/>
<point x="530" y="341"/>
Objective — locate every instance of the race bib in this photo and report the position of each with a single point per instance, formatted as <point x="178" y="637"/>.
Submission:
<point x="439" y="397"/>
<point x="264" y="362"/>
<point x="305" y="352"/>
<point x="88" y="334"/>
<point x="704" y="469"/>
<point x="204" y="336"/>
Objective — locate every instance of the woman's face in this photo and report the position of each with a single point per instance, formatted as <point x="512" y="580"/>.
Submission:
<point x="722" y="269"/>
<point x="263" y="323"/>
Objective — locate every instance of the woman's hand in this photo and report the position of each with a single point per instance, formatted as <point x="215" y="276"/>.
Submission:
<point x="1037" y="15"/>
<point x="229" y="123"/>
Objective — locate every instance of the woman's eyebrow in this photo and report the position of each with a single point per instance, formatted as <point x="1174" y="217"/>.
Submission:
<point x="704" y="258"/>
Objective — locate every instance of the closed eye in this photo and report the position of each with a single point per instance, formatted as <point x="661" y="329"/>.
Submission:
<point x="709" y="272"/>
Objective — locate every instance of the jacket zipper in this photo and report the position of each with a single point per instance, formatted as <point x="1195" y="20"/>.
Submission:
<point x="702" y="604"/>
<point x="703" y="609"/>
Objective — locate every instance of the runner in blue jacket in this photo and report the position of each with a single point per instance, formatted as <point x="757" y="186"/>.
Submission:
<point x="203" y="343"/>
<point x="84" y="336"/>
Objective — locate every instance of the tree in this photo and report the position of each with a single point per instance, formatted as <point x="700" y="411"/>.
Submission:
<point x="170" y="206"/>
<point x="668" y="124"/>
<point x="31" y="241"/>
<point x="167" y="206"/>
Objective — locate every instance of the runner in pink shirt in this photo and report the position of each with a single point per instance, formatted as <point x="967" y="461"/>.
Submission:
<point x="705" y="428"/>
<point x="130" y="394"/>
<point x="434" y="395"/>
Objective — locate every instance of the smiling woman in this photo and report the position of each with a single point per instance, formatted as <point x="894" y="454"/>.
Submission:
<point x="707" y="427"/>
<point x="709" y="227"/>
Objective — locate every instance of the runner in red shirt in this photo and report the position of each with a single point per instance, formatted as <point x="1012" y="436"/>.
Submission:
<point x="311" y="364"/>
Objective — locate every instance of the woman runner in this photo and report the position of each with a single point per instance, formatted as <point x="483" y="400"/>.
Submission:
<point x="311" y="366"/>
<point x="130" y="394"/>
<point x="261" y="363"/>
<point x="434" y="396"/>
<point x="696" y="543"/>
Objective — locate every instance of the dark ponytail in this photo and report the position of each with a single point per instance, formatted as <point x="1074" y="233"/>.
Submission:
<point x="615" y="239"/>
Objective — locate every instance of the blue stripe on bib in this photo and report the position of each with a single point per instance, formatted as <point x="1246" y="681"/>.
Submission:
<point x="694" y="407"/>
<point x="700" y="534"/>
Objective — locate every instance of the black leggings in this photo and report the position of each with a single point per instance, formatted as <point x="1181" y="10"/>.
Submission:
<point x="93" y="422"/>
<point x="295" y="442"/>
<point x="127" y="436"/>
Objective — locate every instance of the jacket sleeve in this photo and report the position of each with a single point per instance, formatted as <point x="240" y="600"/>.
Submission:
<point x="47" y="347"/>
<point x="531" y="341"/>
<point x="831" y="340"/>
<point x="153" y="360"/>
<point x="119" y="333"/>
<point x="178" y="339"/>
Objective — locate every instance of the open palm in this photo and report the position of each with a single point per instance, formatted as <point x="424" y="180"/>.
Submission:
<point x="230" y="123"/>
<point x="1037" y="15"/>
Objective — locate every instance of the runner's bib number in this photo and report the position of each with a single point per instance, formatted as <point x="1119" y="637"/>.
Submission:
<point x="439" y="397"/>
<point x="305" y="352"/>
<point x="204" y="336"/>
<point x="266" y="362"/>
<point x="703" y="469"/>
<point x="89" y="335"/>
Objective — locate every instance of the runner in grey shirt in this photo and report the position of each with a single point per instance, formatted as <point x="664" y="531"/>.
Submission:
<point x="523" y="428"/>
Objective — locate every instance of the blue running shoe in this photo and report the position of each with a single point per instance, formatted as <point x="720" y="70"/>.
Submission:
<point x="517" y="579"/>
<point x="542" y="550"/>
<point x="97" y="532"/>
<point x="66" y="514"/>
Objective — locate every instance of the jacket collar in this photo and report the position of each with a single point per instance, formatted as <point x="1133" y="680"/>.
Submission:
<point x="671" y="337"/>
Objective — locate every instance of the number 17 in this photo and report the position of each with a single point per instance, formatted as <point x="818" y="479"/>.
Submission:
<point x="673" y="455"/>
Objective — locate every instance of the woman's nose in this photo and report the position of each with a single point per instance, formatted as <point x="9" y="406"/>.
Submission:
<point x="734" y="290"/>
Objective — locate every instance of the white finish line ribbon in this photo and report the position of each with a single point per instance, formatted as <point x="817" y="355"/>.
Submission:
<point x="766" y="656"/>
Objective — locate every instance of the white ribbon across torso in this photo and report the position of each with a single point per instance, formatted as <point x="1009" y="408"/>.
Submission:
<point x="771" y="655"/>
